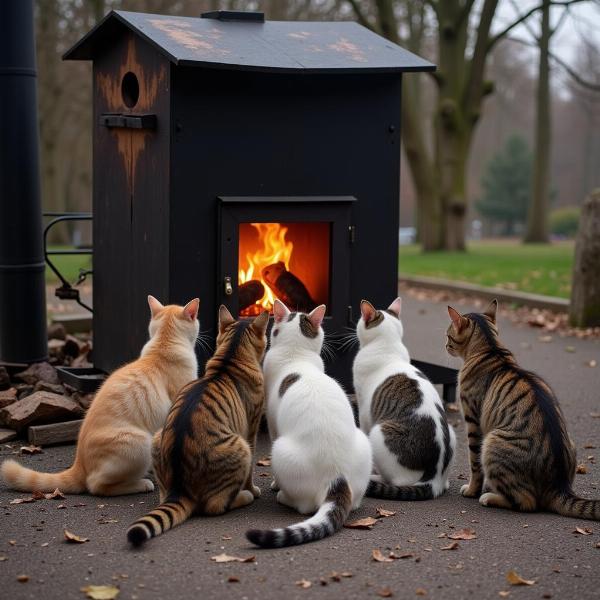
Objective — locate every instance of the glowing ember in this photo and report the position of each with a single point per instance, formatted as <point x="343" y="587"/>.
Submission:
<point x="275" y="248"/>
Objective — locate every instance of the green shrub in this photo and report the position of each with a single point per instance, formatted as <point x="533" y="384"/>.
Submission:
<point x="564" y="221"/>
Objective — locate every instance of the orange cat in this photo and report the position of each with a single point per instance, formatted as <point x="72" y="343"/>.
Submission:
<point x="113" y="450"/>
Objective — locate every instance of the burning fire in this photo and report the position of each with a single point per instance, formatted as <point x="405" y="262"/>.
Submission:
<point x="275" y="248"/>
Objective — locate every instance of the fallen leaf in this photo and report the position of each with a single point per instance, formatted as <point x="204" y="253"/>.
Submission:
<point x="463" y="534"/>
<point x="61" y="506"/>
<point x="56" y="494"/>
<point x="101" y="592"/>
<point x="106" y="520"/>
<point x="263" y="474"/>
<point x="303" y="583"/>
<point x="503" y="594"/>
<point x="22" y="578"/>
<point x="380" y="557"/>
<point x="583" y="530"/>
<point x="222" y="558"/>
<point x="597" y="546"/>
<point x="514" y="579"/>
<point x="31" y="450"/>
<point x="3" y="558"/>
<point x="403" y="555"/>
<point x="265" y="461"/>
<point x="348" y="574"/>
<point x="365" y="523"/>
<point x="570" y="349"/>
<point x="44" y="544"/>
<point x="74" y="539"/>
<point x="581" y="470"/>
<point x="37" y="495"/>
<point x="591" y="363"/>
<point x="556" y="569"/>
<point x="421" y="592"/>
<point x="545" y="338"/>
<point x="443" y="535"/>
<point x="382" y="512"/>
<point x="22" y="500"/>
<point x="225" y="537"/>
<point x="233" y="579"/>
<point x="385" y="592"/>
<point x="595" y="415"/>
<point x="452" y="546"/>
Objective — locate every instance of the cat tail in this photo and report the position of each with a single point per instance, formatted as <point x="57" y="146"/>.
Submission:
<point x="387" y="491"/>
<point x="168" y="514"/>
<point x="326" y="521"/>
<point x="570" y="505"/>
<point x="18" y="477"/>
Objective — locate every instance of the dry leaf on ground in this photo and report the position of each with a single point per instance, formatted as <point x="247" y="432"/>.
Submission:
<point x="233" y="579"/>
<point x="583" y="530"/>
<point x="56" y="494"/>
<point x="515" y="579"/>
<point x="222" y="558"/>
<point x="380" y="557"/>
<point x="265" y="461"/>
<point x="31" y="450"/>
<point x="421" y="592"/>
<point x="303" y="583"/>
<point x="452" y="546"/>
<point x="37" y="495"/>
<point x="382" y="512"/>
<point x="503" y="594"/>
<point x="74" y="539"/>
<point x="581" y="470"/>
<point x="22" y="500"/>
<point x="463" y="534"/>
<point x="591" y="363"/>
<point x="22" y="578"/>
<point x="403" y="555"/>
<point x="365" y="523"/>
<point x="101" y="592"/>
<point x="385" y="592"/>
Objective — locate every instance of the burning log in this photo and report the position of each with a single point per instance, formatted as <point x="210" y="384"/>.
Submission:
<point x="249" y="293"/>
<point x="288" y="288"/>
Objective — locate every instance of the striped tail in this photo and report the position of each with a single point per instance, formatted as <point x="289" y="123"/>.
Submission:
<point x="165" y="516"/>
<point x="399" y="492"/>
<point x="570" y="505"/>
<point x="23" y="479"/>
<point x="326" y="521"/>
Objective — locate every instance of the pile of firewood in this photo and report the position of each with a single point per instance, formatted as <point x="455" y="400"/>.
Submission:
<point x="36" y="396"/>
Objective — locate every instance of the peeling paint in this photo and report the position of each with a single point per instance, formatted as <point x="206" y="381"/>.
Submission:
<point x="345" y="46"/>
<point x="180" y="33"/>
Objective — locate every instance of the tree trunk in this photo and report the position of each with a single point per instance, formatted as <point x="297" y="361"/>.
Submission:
<point x="537" y="219"/>
<point x="585" y="294"/>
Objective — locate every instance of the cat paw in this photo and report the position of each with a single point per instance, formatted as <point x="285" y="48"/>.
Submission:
<point x="485" y="499"/>
<point x="255" y="491"/>
<point x="274" y="485"/>
<point x="146" y="485"/>
<point x="468" y="492"/>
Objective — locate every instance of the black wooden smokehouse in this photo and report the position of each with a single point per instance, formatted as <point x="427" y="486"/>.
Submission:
<point x="241" y="160"/>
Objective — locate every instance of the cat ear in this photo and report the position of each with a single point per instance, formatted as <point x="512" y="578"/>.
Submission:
<point x="225" y="318"/>
<point x="260" y="323"/>
<point x="458" y="321"/>
<point x="317" y="315"/>
<point x="280" y="311"/>
<point x="190" y="310"/>
<point x="367" y="310"/>
<point x="396" y="306"/>
<point x="491" y="309"/>
<point x="155" y="306"/>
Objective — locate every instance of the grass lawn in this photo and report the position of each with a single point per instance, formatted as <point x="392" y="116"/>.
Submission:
<point x="536" y="268"/>
<point x="67" y="265"/>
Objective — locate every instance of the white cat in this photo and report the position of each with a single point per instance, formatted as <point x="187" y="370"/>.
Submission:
<point x="400" y="410"/>
<point x="321" y="461"/>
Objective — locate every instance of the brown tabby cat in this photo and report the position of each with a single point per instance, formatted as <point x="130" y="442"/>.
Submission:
<point x="113" y="448"/>
<point x="203" y="458"/>
<point x="521" y="455"/>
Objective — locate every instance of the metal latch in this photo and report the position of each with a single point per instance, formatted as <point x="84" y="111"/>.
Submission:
<point x="128" y="121"/>
<point x="228" y="286"/>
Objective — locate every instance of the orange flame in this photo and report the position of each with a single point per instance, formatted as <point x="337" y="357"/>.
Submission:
<point x="275" y="248"/>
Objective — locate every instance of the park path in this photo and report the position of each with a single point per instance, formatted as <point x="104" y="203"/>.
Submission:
<point x="540" y="547"/>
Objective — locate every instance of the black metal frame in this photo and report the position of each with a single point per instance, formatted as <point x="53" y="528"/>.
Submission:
<point x="66" y="291"/>
<point x="335" y="210"/>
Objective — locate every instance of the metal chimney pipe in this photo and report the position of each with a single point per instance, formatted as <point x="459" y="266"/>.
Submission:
<point x="22" y="285"/>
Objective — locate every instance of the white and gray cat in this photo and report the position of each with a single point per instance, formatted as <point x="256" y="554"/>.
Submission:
<point x="400" y="411"/>
<point x="321" y="461"/>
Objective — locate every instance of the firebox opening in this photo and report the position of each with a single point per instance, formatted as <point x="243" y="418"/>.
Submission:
<point x="288" y="261"/>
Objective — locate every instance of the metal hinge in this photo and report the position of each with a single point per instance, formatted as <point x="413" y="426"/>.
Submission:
<point x="352" y="233"/>
<point x="128" y="121"/>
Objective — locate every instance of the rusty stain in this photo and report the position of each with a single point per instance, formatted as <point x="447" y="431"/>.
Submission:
<point x="131" y="143"/>
<point x="180" y="33"/>
<point x="345" y="46"/>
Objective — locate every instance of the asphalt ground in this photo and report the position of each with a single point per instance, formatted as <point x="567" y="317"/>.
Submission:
<point x="541" y="547"/>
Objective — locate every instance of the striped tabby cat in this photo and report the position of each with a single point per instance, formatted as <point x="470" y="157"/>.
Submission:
<point x="321" y="461"/>
<point x="521" y="455"/>
<point x="113" y="447"/>
<point x="203" y="457"/>
<point x="400" y="410"/>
